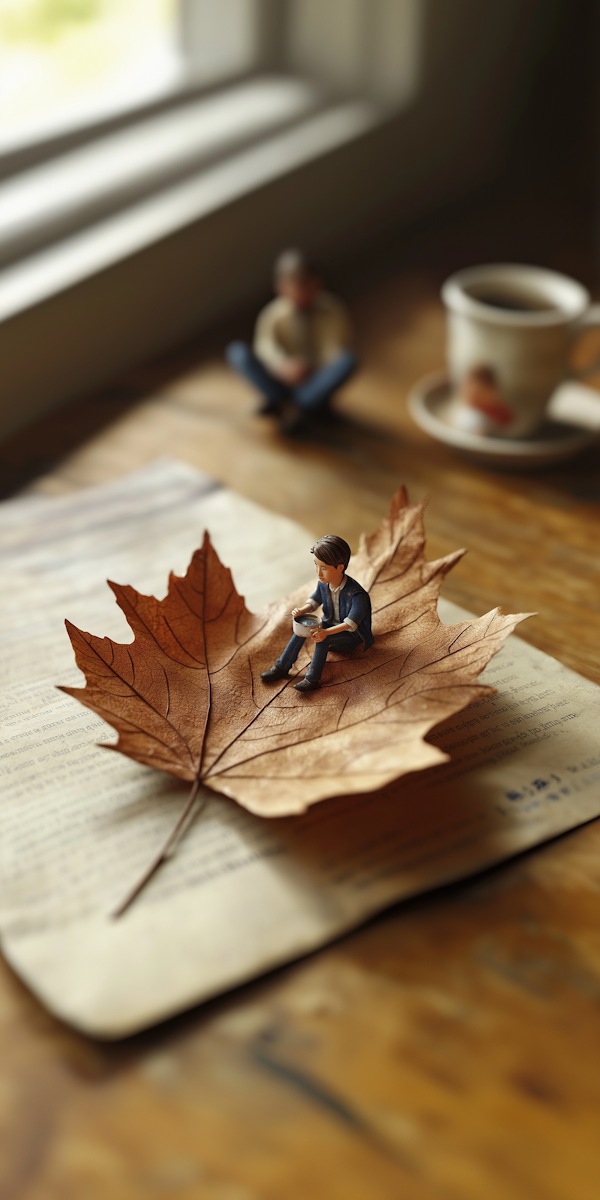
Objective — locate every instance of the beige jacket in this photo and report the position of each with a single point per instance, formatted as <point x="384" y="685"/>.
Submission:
<point x="317" y="334"/>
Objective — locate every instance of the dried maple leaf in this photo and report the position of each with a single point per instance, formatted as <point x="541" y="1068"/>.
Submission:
<point x="186" y="695"/>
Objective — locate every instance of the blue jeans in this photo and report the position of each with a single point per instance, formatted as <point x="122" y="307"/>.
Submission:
<point x="310" y="395"/>
<point x="340" y="642"/>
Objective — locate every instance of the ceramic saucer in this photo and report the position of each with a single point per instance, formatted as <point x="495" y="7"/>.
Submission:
<point x="431" y="404"/>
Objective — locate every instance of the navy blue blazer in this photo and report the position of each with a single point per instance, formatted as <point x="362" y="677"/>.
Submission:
<point x="354" y="603"/>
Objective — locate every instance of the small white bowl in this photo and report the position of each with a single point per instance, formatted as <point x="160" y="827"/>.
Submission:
<point x="306" y="624"/>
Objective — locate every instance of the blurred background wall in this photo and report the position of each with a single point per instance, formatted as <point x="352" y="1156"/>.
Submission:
<point x="415" y="105"/>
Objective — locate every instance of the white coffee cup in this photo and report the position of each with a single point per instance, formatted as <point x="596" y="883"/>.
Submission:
<point x="511" y="329"/>
<point x="306" y="624"/>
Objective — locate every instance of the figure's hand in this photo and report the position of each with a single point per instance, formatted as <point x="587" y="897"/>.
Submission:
<point x="319" y="635"/>
<point x="299" y="612"/>
<point x="294" y="370"/>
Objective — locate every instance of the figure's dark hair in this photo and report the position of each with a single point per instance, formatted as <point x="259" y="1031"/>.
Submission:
<point x="293" y="263"/>
<point x="332" y="550"/>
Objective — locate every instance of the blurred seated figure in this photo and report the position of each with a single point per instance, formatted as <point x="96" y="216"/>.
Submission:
<point x="302" y="349"/>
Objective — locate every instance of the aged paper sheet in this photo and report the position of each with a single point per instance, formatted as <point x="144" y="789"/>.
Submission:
<point x="241" y="894"/>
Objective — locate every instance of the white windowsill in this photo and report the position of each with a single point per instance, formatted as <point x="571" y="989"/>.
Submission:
<point x="138" y="186"/>
<point x="106" y="172"/>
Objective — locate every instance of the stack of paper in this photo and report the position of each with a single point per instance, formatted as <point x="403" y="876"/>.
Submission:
<point x="241" y="894"/>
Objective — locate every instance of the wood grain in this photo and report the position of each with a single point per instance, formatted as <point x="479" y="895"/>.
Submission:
<point x="450" y="1048"/>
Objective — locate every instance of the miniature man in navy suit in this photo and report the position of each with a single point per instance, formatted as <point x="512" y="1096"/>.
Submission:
<point x="346" y="614"/>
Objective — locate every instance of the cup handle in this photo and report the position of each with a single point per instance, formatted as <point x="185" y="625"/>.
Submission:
<point x="589" y="320"/>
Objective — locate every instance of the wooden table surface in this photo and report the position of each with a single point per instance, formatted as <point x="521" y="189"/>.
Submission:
<point x="449" y="1048"/>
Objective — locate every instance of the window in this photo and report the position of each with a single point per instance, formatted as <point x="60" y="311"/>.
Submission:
<point x="139" y="140"/>
<point x="65" y="63"/>
<point x="364" y="46"/>
<point x="122" y="121"/>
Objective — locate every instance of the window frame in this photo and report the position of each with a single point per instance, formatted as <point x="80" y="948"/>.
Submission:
<point x="273" y="20"/>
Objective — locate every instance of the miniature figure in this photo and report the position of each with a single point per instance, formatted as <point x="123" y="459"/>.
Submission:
<point x="346" y="615"/>
<point x="301" y="352"/>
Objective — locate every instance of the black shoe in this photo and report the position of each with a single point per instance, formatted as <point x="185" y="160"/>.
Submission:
<point x="291" y="418"/>
<point x="273" y="673"/>
<point x="307" y="685"/>
<point x="269" y="408"/>
<point x="326" y="415"/>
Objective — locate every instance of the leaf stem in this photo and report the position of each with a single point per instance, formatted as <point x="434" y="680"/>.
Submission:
<point x="164" y="853"/>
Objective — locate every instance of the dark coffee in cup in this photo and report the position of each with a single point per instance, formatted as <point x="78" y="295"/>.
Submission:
<point x="511" y="302"/>
<point x="307" y="620"/>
